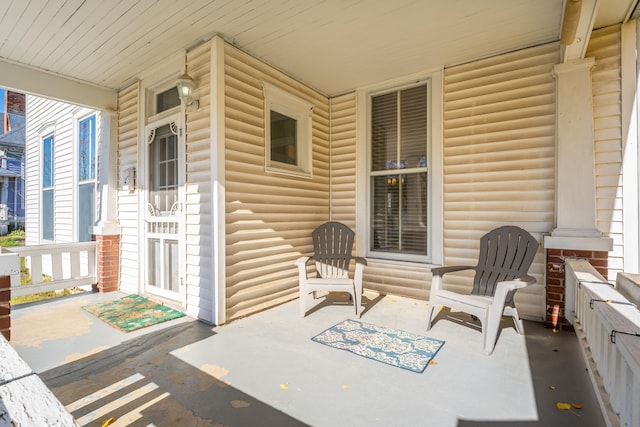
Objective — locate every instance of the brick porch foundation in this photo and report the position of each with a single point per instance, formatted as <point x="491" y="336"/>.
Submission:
<point x="5" y="306"/>
<point x="108" y="267"/>
<point x="555" y="292"/>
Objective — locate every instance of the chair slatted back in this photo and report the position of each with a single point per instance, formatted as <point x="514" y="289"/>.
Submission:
<point x="506" y="253"/>
<point x="332" y="245"/>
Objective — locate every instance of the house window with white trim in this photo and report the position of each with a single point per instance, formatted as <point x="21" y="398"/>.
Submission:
<point x="287" y="132"/>
<point x="86" y="177"/>
<point x="48" y="212"/>
<point x="399" y="138"/>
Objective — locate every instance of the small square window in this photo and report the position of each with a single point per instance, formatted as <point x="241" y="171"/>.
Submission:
<point x="287" y="132"/>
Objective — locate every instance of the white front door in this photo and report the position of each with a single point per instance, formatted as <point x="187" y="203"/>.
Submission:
<point x="163" y="218"/>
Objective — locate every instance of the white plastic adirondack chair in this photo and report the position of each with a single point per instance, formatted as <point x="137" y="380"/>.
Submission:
<point x="506" y="254"/>
<point x="332" y="244"/>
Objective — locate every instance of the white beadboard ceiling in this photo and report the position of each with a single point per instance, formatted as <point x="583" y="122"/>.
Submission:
<point x="332" y="45"/>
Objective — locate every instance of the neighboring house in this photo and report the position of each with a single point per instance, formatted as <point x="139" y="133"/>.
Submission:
<point x="61" y="171"/>
<point x="210" y="200"/>
<point x="12" y="163"/>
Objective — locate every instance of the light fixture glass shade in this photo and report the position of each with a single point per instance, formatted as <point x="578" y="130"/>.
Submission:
<point x="185" y="85"/>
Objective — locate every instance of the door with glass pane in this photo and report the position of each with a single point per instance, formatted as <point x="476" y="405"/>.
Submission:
<point x="163" y="215"/>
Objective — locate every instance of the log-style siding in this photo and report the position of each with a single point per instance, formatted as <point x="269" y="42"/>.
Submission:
<point x="269" y="217"/>
<point x="499" y="156"/>
<point x="605" y="47"/>
<point x="343" y="159"/>
<point x="198" y="194"/>
<point x="498" y="168"/>
<point x="128" y="129"/>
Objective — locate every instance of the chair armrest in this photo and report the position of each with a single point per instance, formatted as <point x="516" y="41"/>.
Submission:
<point x="503" y="288"/>
<point x="441" y="271"/>
<point x="302" y="261"/>
<point x="357" y="278"/>
<point x="360" y="260"/>
<point x="527" y="279"/>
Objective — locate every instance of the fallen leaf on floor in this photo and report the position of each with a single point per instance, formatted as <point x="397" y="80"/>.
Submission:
<point x="552" y="387"/>
<point x="240" y="404"/>
<point x="108" y="422"/>
<point x="577" y="405"/>
<point x="284" y="386"/>
<point x="566" y="407"/>
<point x="432" y="362"/>
<point x="346" y="386"/>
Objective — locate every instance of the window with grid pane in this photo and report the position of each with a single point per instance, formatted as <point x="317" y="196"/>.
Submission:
<point x="163" y="174"/>
<point x="399" y="174"/>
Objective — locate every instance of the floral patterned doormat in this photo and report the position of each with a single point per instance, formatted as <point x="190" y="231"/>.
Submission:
<point x="132" y="312"/>
<point x="391" y="346"/>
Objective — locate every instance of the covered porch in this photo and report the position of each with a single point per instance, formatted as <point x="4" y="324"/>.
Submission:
<point x="265" y="370"/>
<point x="530" y="121"/>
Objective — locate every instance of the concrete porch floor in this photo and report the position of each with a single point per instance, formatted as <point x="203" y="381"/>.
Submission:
<point x="264" y="370"/>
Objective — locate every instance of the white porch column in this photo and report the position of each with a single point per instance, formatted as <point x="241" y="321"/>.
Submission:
<point x="576" y="233"/>
<point x="107" y="178"/>
<point x="107" y="231"/>
<point x="575" y="182"/>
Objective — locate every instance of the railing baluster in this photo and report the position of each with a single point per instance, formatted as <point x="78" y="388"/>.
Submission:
<point x="56" y="266"/>
<point x="75" y="263"/>
<point x="36" y="269"/>
<point x="91" y="262"/>
<point x="69" y="264"/>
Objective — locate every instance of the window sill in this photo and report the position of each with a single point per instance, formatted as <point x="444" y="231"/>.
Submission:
<point x="402" y="263"/>
<point x="288" y="172"/>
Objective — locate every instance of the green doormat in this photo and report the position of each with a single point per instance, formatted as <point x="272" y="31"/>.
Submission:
<point x="132" y="312"/>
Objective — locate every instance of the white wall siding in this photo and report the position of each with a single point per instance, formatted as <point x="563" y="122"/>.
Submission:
<point x="35" y="121"/>
<point x="128" y="209"/>
<point x="499" y="156"/>
<point x="605" y="47"/>
<point x="63" y="166"/>
<point x="198" y="194"/>
<point x="269" y="217"/>
<point x="46" y="116"/>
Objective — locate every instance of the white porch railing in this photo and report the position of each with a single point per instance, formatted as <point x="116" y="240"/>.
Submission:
<point x="68" y="264"/>
<point x="608" y="326"/>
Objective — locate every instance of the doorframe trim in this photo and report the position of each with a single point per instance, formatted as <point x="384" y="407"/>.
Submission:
<point x="153" y="123"/>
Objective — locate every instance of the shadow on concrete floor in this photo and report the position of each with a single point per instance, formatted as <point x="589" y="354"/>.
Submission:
<point x="141" y="383"/>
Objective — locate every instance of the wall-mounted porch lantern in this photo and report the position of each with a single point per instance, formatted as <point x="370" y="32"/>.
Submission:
<point x="186" y="85"/>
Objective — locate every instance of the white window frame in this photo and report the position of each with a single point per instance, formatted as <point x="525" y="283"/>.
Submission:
<point x="79" y="116"/>
<point x="287" y="104"/>
<point x="434" y="255"/>
<point x="151" y="106"/>
<point x="48" y="132"/>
